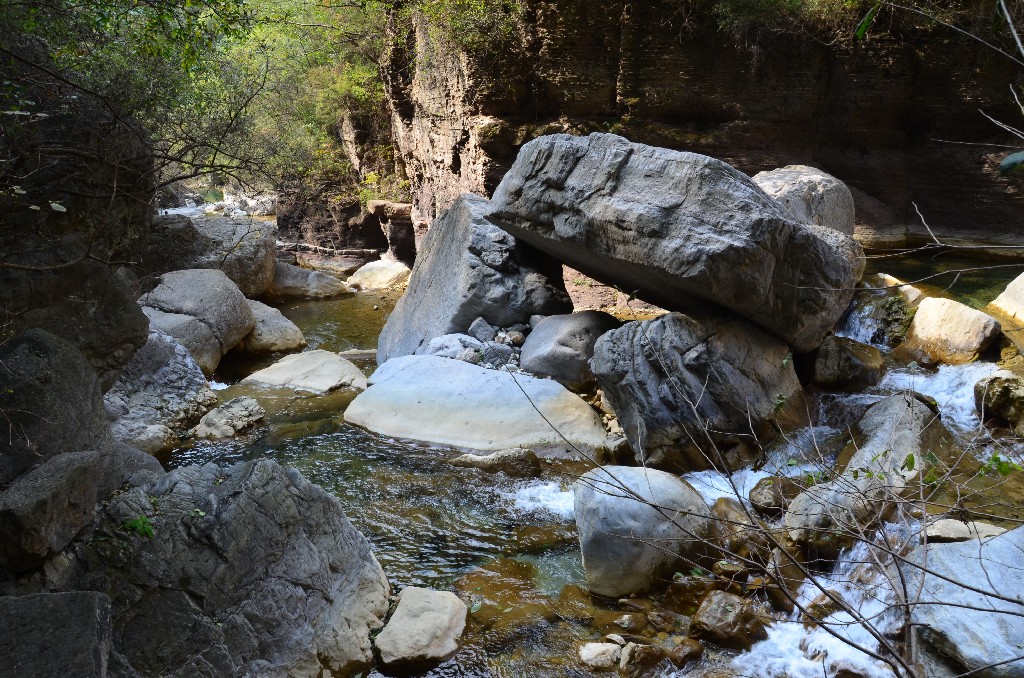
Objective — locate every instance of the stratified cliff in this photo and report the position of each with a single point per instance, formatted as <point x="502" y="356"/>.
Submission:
<point x="890" y="115"/>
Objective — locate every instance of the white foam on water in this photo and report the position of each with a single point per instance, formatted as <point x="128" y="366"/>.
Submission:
<point x="218" y="386"/>
<point x="713" y="485"/>
<point x="793" y="651"/>
<point x="952" y="387"/>
<point x="544" y="497"/>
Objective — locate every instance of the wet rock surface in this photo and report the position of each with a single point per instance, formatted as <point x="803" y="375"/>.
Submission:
<point x="230" y="419"/>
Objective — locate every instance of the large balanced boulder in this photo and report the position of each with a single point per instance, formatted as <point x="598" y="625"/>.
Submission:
<point x="893" y="444"/>
<point x="636" y="526"/>
<point x="55" y="634"/>
<point x="686" y="391"/>
<point x="292" y="282"/>
<point x="561" y="346"/>
<point x="946" y="331"/>
<point x="424" y="630"/>
<point x="161" y="394"/>
<point x="247" y="570"/>
<point x="962" y="614"/>
<point x="51" y="403"/>
<point x="272" y="333"/>
<point x="452" y="402"/>
<point x="203" y="310"/>
<point x="468" y="268"/>
<point x="1001" y="397"/>
<point x="242" y="248"/>
<point x="679" y="228"/>
<point x="811" y="196"/>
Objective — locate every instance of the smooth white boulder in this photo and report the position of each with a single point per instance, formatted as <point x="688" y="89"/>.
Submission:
<point x="273" y="333"/>
<point x="452" y="402"/>
<point x="946" y="331"/>
<point x="379" y="275"/>
<point x="1011" y="301"/>
<point x="425" y="628"/>
<point x="318" y="370"/>
<point x="600" y="656"/>
<point x="292" y="282"/>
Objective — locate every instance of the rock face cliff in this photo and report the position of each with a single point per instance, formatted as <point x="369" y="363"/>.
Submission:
<point x="877" y="114"/>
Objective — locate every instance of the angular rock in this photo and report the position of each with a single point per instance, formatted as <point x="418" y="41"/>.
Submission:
<point x="561" y="346"/>
<point x="1001" y="397"/>
<point x="469" y="268"/>
<point x="810" y="196"/>
<point x="682" y="229"/>
<point x="51" y="403"/>
<point x="380" y="275"/>
<point x="230" y="419"/>
<point x="1011" y="300"/>
<point x="628" y="544"/>
<point x="515" y="463"/>
<point x="247" y="570"/>
<point x="741" y="537"/>
<point x="451" y="402"/>
<point x="272" y="333"/>
<point x="683" y="388"/>
<point x="242" y="248"/>
<point x="845" y="364"/>
<point x="963" y="616"/>
<point x="946" y="331"/>
<point x="424" y="630"/>
<point x="465" y="347"/>
<point x="952" y="530"/>
<point x="43" y="510"/>
<point x="192" y="333"/>
<point x="161" y="394"/>
<point x="318" y="371"/>
<point x="600" y="656"/>
<point x="292" y="282"/>
<point x="639" y="658"/>
<point x="482" y="330"/>
<point x="211" y="298"/>
<point x="396" y="221"/>
<point x="893" y="439"/>
<point x="55" y="634"/>
<point x="727" y="620"/>
<point x="772" y="496"/>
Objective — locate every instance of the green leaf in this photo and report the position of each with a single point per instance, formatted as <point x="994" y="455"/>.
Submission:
<point x="908" y="463"/>
<point x="1011" y="162"/>
<point x="865" y="23"/>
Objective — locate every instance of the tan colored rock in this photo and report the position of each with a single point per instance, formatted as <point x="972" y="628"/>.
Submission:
<point x="911" y="294"/>
<point x="318" y="370"/>
<point x="1011" y="301"/>
<point x="424" y="630"/>
<point x="380" y="275"/>
<point x="946" y="331"/>
<point x="292" y="282"/>
<point x="1001" y="397"/>
<point x="846" y="364"/>
<point x="727" y="620"/>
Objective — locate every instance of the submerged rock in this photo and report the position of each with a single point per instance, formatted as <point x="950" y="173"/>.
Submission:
<point x="247" y="570"/>
<point x="451" y="402"/>
<point x="686" y="390"/>
<point x="468" y="268"/>
<point x="55" y="634"/>
<point x="811" y="196"/>
<point x="379" y="275"/>
<point x="637" y="526"/>
<point x="292" y="282"/>
<point x="561" y="346"/>
<point x="203" y="310"/>
<point x="682" y="229"/>
<point x="230" y="419"/>
<point x="946" y="331"/>
<point x="317" y="370"/>
<point x="516" y="462"/>
<point x="161" y="394"/>
<point x="424" y="630"/>
<point x="272" y="333"/>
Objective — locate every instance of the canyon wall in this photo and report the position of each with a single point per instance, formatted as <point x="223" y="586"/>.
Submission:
<point x="895" y="117"/>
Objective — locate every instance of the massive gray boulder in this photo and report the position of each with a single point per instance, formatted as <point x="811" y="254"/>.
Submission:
<point x="811" y="196"/>
<point x="51" y="403"/>
<point x="561" y="346"/>
<point x="55" y="634"/>
<point x="242" y="248"/>
<point x="687" y="390"/>
<point x="203" y="310"/>
<point x="247" y="570"/>
<point x="637" y="525"/>
<point x="161" y="394"/>
<point x="469" y="268"/>
<point x="681" y="229"/>
<point x="962" y="614"/>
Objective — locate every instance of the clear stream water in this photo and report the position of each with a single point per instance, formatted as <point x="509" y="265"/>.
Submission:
<point x="507" y="545"/>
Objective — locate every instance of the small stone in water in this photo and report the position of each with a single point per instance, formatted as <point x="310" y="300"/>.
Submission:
<point x="600" y="655"/>
<point x="376" y="307"/>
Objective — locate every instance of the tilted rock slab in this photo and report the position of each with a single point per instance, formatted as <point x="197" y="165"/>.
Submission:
<point x="682" y="388"/>
<point x="679" y="228"/>
<point x="452" y="402"/>
<point x="249" y="570"/>
<point x="230" y="419"/>
<point x="469" y="268"/>
<point x="292" y="282"/>
<point x="637" y="525"/>
<point x="1011" y="300"/>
